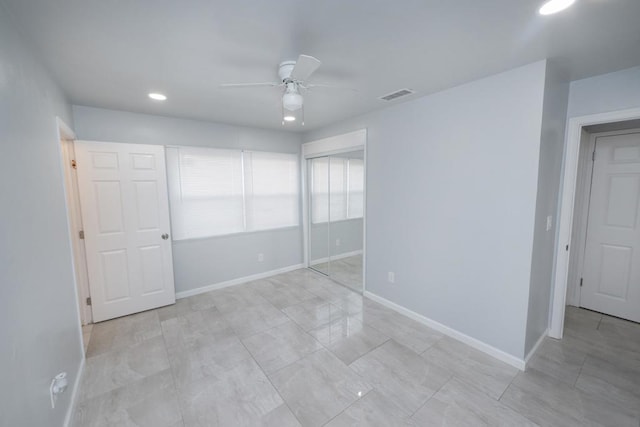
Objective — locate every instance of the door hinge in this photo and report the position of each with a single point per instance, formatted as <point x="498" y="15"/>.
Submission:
<point x="88" y="300"/>
<point x="566" y="248"/>
<point x="581" y="282"/>
<point x="81" y="234"/>
<point x="74" y="164"/>
<point x="593" y="156"/>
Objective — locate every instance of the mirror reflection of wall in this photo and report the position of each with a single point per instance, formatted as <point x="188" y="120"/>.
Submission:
<point x="336" y="189"/>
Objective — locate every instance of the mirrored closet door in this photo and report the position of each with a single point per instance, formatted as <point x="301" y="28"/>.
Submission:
<point x="336" y="216"/>
<point x="318" y="169"/>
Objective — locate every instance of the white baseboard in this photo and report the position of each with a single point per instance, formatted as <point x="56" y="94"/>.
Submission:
<point x="536" y="346"/>
<point x="238" y="281"/>
<point x="338" y="256"/>
<point x="466" y="339"/>
<point x="74" y="394"/>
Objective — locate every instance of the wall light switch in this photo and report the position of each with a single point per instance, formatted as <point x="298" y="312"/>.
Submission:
<point x="337" y="242"/>
<point x="391" y="277"/>
<point x="260" y="257"/>
<point x="549" y="222"/>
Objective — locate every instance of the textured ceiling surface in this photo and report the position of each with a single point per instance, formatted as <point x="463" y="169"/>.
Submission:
<point x="111" y="53"/>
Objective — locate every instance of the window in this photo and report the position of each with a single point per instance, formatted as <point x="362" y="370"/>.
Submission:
<point x="215" y="192"/>
<point x="271" y="189"/>
<point x="338" y="189"/>
<point x="355" y="188"/>
<point x="320" y="190"/>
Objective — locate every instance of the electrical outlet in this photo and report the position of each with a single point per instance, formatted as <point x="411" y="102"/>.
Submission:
<point x="58" y="386"/>
<point x="260" y="257"/>
<point x="391" y="277"/>
<point x="337" y="242"/>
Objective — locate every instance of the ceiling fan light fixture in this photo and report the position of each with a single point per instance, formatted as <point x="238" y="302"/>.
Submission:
<point x="555" y="6"/>
<point x="292" y="101"/>
<point x="289" y="118"/>
<point x="157" y="96"/>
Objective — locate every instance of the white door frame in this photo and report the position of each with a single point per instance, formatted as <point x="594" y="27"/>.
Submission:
<point x="580" y="216"/>
<point x="74" y="223"/>
<point x="344" y="143"/>
<point x="567" y="201"/>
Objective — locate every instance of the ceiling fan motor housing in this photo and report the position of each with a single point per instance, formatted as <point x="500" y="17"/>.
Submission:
<point x="285" y="69"/>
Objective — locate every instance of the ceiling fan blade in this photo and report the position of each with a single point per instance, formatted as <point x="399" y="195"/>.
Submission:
<point x="323" y="86"/>
<point x="305" y="66"/>
<point x="272" y="84"/>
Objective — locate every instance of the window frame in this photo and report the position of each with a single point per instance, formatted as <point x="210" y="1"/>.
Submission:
<point x="175" y="169"/>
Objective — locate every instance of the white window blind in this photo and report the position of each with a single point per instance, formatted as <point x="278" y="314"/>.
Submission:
<point x="320" y="190"/>
<point x="215" y="192"/>
<point x="355" y="188"/>
<point x="271" y="190"/>
<point x="337" y="189"/>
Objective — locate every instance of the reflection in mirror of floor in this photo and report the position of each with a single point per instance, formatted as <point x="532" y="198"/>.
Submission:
<point x="346" y="271"/>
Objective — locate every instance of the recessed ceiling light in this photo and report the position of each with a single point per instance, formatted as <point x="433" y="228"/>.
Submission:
<point x="555" y="6"/>
<point x="158" y="96"/>
<point x="289" y="118"/>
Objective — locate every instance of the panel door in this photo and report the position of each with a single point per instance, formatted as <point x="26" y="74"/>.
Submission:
<point x="125" y="214"/>
<point x="611" y="279"/>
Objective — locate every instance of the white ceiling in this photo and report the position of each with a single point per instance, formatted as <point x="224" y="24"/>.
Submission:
<point x="111" y="53"/>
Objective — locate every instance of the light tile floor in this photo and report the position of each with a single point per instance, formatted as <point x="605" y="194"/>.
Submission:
<point x="298" y="349"/>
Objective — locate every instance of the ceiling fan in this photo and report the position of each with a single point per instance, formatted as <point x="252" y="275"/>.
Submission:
<point x="294" y="76"/>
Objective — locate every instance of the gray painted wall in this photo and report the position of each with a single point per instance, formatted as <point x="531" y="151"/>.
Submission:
<point x="556" y="94"/>
<point x="607" y="92"/>
<point x="39" y="323"/>
<point x="451" y="200"/>
<point x="203" y="262"/>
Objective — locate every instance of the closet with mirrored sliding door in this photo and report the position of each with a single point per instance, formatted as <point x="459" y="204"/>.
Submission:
<point x="335" y="208"/>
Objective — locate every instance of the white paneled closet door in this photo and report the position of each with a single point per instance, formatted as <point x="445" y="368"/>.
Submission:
<point x="611" y="281"/>
<point x="125" y="214"/>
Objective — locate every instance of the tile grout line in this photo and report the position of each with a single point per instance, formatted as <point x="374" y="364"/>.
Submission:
<point x="373" y="349"/>
<point x="307" y="355"/>
<point x="341" y="287"/>
<point x="299" y="358"/>
<point x="580" y="372"/>
<point x="507" y="387"/>
<point x="463" y="380"/>
<point x="327" y="347"/>
<point x="454" y="376"/>
<point x="223" y="315"/>
<point x="431" y="397"/>
<point x="128" y="347"/>
<point x="290" y="319"/>
<point x="264" y="331"/>
<point x="599" y="322"/>
<point x="289" y="364"/>
<point x="342" y="312"/>
<point x="173" y="376"/>
<point x="271" y="382"/>
<point x="349" y="406"/>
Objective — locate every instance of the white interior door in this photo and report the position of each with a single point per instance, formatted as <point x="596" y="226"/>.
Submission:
<point x="125" y="214"/>
<point x="611" y="280"/>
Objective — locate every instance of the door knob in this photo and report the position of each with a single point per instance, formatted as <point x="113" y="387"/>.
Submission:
<point x="165" y="236"/>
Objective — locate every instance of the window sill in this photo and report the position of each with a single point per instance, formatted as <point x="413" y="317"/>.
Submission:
<point x="242" y="233"/>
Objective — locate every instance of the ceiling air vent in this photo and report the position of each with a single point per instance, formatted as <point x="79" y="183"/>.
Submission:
<point x="397" y="94"/>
